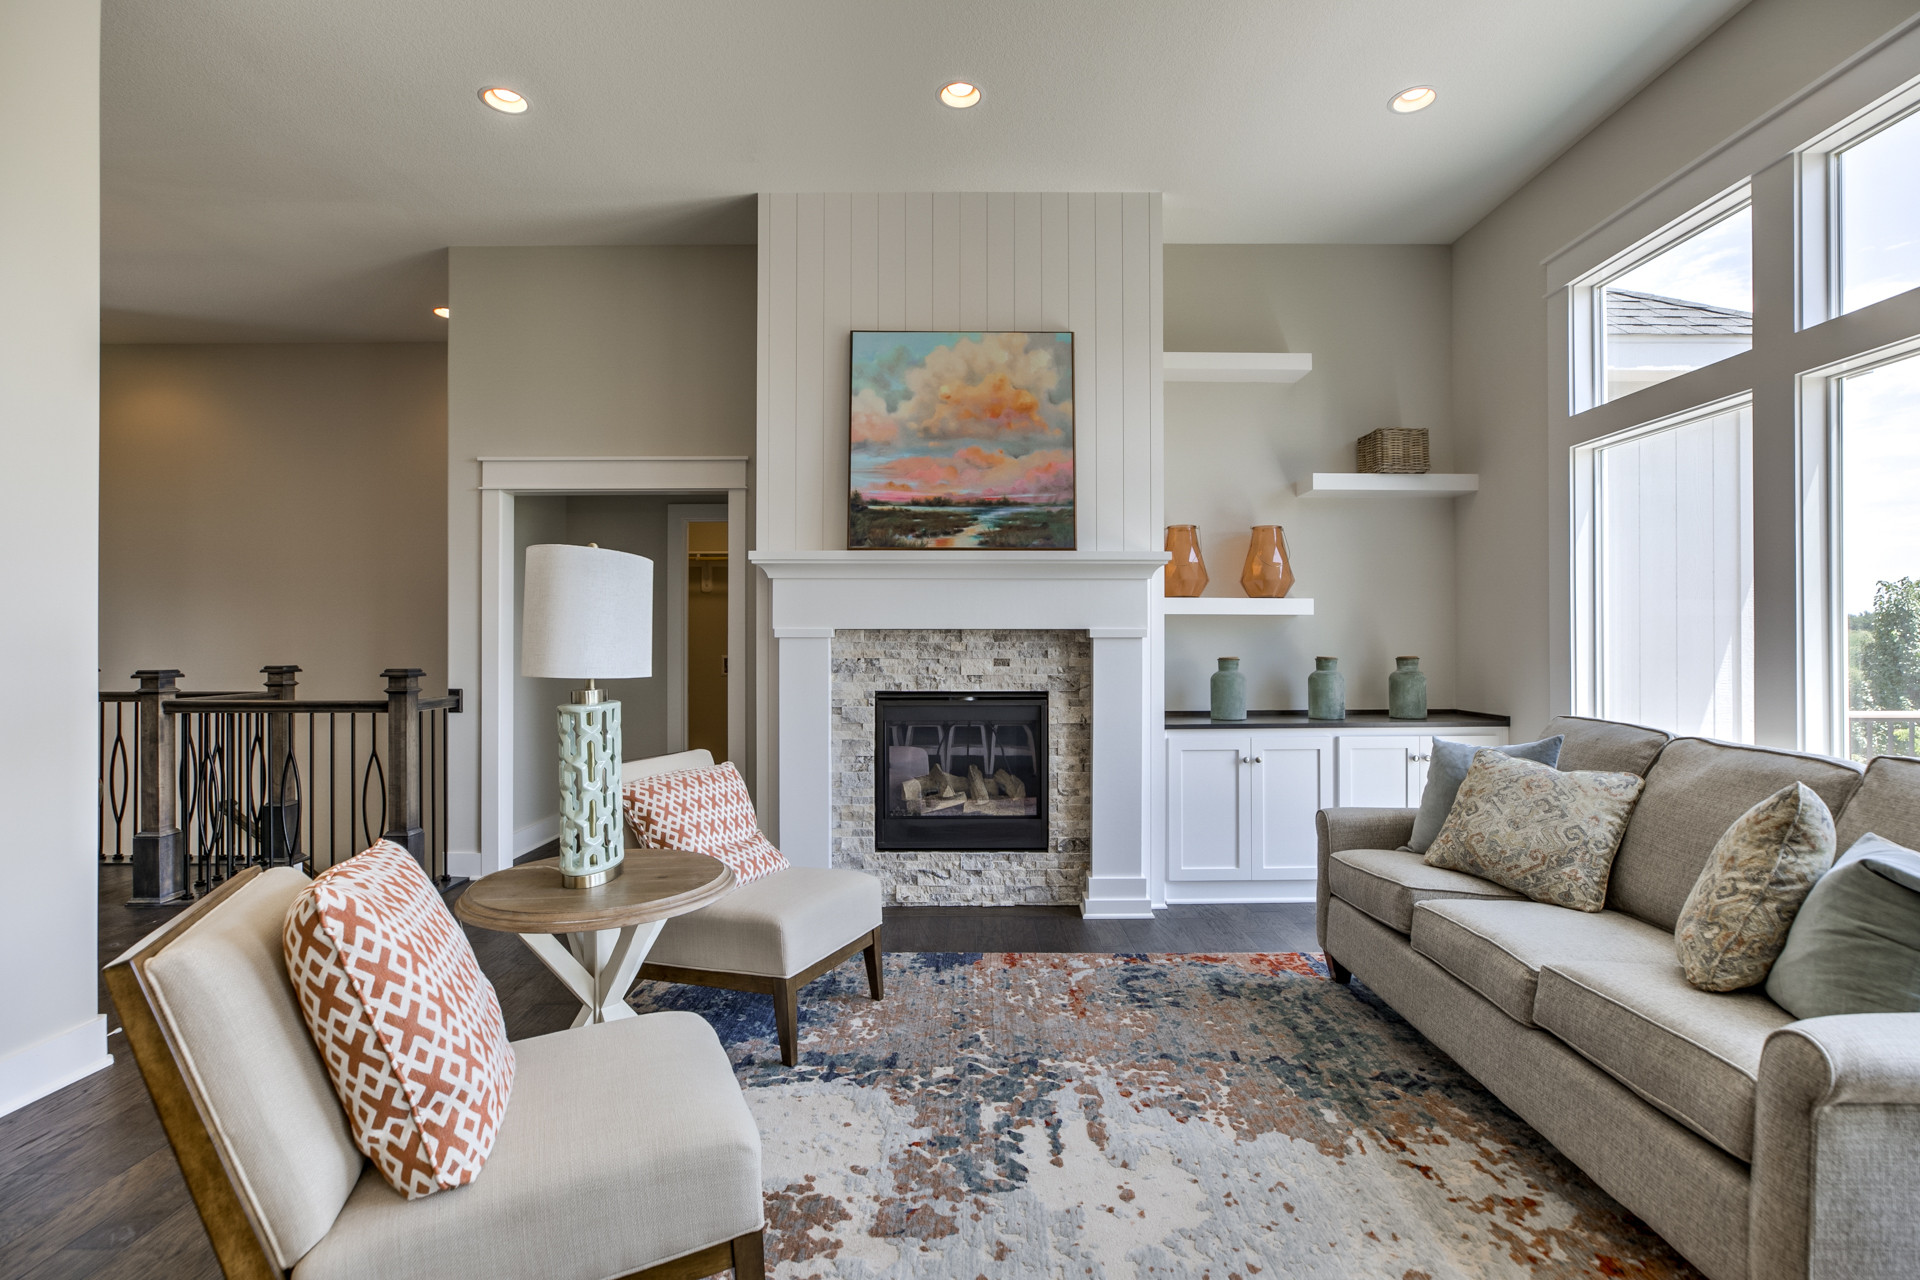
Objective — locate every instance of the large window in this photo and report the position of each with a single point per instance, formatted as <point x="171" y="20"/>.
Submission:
<point x="1688" y="305"/>
<point x="1879" y="555"/>
<point x="1879" y="199"/>
<point x="1669" y="543"/>
<point x="1742" y="531"/>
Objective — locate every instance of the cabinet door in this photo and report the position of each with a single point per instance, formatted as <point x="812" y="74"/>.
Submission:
<point x="1375" y="770"/>
<point x="1292" y="779"/>
<point x="1206" y="806"/>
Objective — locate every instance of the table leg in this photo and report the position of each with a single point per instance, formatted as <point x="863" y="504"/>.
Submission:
<point x="599" y="968"/>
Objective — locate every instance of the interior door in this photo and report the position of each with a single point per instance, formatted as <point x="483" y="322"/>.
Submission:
<point x="1291" y="781"/>
<point x="1375" y="770"/>
<point x="1207" y="805"/>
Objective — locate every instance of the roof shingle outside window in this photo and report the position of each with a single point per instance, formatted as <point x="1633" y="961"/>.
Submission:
<point x="1629" y="311"/>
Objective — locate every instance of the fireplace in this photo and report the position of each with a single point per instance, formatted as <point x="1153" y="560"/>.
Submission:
<point x="960" y="771"/>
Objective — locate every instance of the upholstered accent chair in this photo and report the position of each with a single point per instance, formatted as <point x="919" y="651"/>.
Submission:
<point x="773" y="935"/>
<point x="626" y="1148"/>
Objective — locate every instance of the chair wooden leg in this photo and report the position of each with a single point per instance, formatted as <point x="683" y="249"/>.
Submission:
<point x="876" y="984"/>
<point x="786" y="1019"/>
<point x="1339" y="972"/>
<point x="749" y="1257"/>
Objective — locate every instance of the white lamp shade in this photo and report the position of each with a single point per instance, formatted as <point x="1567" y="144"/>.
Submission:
<point x="587" y="614"/>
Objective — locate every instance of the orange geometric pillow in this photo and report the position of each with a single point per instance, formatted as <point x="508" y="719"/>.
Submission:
<point x="409" y="1027"/>
<point x="702" y="811"/>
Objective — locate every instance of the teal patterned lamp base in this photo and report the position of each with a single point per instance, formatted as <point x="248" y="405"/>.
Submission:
<point x="591" y="847"/>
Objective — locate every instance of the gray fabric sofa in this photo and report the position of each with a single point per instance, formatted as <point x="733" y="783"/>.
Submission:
<point x="1760" y="1147"/>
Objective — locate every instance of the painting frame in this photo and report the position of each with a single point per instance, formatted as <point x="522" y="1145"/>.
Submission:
<point x="992" y="468"/>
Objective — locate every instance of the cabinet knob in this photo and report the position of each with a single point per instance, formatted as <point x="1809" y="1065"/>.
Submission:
<point x="1259" y="759"/>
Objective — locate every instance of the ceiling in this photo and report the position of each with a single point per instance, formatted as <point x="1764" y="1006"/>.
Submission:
<point x="288" y="170"/>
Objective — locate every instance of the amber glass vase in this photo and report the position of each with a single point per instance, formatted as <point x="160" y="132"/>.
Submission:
<point x="1268" y="573"/>
<point x="1186" y="572"/>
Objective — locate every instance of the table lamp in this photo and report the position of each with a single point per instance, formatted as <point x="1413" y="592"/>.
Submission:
<point x="587" y="614"/>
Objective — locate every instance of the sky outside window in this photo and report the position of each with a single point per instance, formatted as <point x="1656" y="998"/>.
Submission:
<point x="1880" y="215"/>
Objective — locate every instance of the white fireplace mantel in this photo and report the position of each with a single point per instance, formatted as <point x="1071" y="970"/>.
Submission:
<point x="1109" y="596"/>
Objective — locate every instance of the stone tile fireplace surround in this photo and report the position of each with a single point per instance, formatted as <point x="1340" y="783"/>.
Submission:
<point x="1060" y="663"/>
<point x="1079" y="624"/>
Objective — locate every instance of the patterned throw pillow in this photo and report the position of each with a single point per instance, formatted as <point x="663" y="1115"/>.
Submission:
<point x="702" y="811"/>
<point x="1534" y="829"/>
<point x="1736" y="919"/>
<point x="409" y="1027"/>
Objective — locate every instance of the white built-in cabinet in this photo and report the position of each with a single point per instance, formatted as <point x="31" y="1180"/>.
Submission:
<point x="1241" y="805"/>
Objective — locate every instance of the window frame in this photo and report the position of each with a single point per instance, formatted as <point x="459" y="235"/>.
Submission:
<point x="1819" y="279"/>
<point x="1586" y="296"/>
<point x="1784" y="164"/>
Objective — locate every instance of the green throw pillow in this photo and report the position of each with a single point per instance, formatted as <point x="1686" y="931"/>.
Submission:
<point x="1855" y="946"/>
<point x="1736" y="919"/>
<point x="1530" y="827"/>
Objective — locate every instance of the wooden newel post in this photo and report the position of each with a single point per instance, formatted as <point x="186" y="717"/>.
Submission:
<point x="280" y="815"/>
<point x="159" y="855"/>
<point x="403" y="761"/>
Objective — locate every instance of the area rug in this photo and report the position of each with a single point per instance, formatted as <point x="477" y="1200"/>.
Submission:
<point x="1207" y="1117"/>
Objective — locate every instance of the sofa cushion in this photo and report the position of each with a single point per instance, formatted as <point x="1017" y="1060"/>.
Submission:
<point x="1693" y="1054"/>
<point x="1449" y="762"/>
<point x="1855" y="946"/>
<point x="1605" y="746"/>
<point x="1497" y="948"/>
<point x="1887" y="803"/>
<point x="776" y="926"/>
<point x="221" y="990"/>
<point x="625" y="1144"/>
<point x="1736" y="919"/>
<point x="409" y="1027"/>
<point x="1694" y="792"/>
<point x="1527" y="826"/>
<point x="1388" y="883"/>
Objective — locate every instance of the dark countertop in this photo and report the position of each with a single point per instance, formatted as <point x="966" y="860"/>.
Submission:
<point x="1436" y="719"/>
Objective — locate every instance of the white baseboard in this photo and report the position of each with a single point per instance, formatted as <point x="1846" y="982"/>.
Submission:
<point x="32" y="1073"/>
<point x="1250" y="892"/>
<point x="530" y="837"/>
<point x="464" y="864"/>
<point x="1117" y="898"/>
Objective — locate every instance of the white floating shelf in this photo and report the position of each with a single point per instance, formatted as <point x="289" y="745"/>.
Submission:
<point x="1237" y="606"/>
<point x="1236" y="366"/>
<point x="1433" y="484"/>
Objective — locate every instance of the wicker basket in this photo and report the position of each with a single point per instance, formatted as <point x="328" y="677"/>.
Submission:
<point x="1393" y="451"/>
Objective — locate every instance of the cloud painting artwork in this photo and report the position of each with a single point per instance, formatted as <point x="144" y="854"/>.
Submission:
<point x="962" y="440"/>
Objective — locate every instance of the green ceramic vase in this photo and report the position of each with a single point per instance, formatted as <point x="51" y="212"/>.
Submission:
<point x="1327" y="691"/>
<point x="1229" y="688"/>
<point x="1407" y="690"/>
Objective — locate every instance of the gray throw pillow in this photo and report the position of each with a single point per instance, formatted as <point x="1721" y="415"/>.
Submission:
<point x="1855" y="946"/>
<point x="1448" y="769"/>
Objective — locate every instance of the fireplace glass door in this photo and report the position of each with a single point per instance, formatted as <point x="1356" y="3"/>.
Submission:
<point x="960" y="771"/>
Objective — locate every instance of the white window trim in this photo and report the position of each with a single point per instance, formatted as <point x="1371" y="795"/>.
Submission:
<point x="1819" y="202"/>
<point x="1795" y="706"/>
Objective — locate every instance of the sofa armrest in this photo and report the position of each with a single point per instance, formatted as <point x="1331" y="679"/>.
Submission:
<point x="1836" y="1152"/>
<point x="1354" y="828"/>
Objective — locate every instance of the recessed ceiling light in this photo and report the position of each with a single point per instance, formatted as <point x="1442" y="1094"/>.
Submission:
<point x="960" y="94"/>
<point x="442" y="312"/>
<point x="1418" y="98"/>
<point x="503" y="100"/>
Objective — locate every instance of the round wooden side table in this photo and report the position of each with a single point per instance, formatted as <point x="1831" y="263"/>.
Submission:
<point x="595" y="940"/>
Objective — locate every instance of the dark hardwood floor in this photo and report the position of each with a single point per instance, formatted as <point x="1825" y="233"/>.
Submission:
<point x="89" y="1187"/>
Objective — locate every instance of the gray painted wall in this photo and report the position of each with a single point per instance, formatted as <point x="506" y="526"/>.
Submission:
<point x="274" y="503"/>
<point x="608" y="351"/>
<point x="50" y="1028"/>
<point x="1379" y="569"/>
